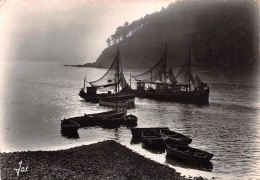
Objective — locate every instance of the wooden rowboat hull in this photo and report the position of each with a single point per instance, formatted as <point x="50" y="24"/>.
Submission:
<point x="112" y="122"/>
<point x="172" y="137"/>
<point x="130" y="120"/>
<point x="137" y="132"/>
<point x="89" y="120"/>
<point x="152" y="139"/>
<point x="188" y="154"/>
<point x="68" y="126"/>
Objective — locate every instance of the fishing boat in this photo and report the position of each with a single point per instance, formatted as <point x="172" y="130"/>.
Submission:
<point x="89" y="93"/>
<point x="188" y="153"/>
<point x="152" y="139"/>
<point x="161" y="84"/>
<point x="174" y="137"/>
<point x="69" y="126"/>
<point x="113" y="82"/>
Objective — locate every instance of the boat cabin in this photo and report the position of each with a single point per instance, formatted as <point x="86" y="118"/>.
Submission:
<point x="160" y="86"/>
<point x="91" y="90"/>
<point x="140" y="86"/>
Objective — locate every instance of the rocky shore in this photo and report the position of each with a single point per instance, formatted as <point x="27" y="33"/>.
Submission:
<point x="103" y="160"/>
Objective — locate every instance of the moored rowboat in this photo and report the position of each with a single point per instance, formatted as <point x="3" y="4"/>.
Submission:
<point x="137" y="132"/>
<point x="188" y="153"/>
<point x="130" y="120"/>
<point x="174" y="137"/>
<point x="112" y="122"/>
<point x="107" y="114"/>
<point x="69" y="126"/>
<point x="152" y="138"/>
<point x="96" y="118"/>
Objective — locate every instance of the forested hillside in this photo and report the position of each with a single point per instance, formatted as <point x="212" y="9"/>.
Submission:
<point x="224" y="35"/>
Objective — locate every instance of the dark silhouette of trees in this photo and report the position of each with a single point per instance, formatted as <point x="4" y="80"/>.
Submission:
<point x="108" y="42"/>
<point x="122" y="32"/>
<point x="125" y="30"/>
<point x="224" y="32"/>
<point x="114" y="39"/>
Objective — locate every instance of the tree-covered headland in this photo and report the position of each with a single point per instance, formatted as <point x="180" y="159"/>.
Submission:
<point x="224" y="35"/>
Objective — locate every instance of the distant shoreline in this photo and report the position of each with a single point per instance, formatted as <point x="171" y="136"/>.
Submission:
<point x="107" y="159"/>
<point x="82" y="65"/>
<point x="206" y="68"/>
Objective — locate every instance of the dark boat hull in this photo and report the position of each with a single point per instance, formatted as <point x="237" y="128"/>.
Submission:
<point x="172" y="137"/>
<point x="187" y="153"/>
<point x="193" y="97"/>
<point x="112" y="122"/>
<point x="89" y="98"/>
<point x="91" y="120"/>
<point x="205" y="166"/>
<point x="68" y="126"/>
<point x="137" y="132"/>
<point x="130" y="120"/>
<point x="152" y="139"/>
<point x="201" y="98"/>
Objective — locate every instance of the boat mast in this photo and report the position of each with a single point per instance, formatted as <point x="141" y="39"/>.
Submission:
<point x="118" y="69"/>
<point x="130" y="81"/>
<point x="84" y="82"/>
<point x="117" y="75"/>
<point x="189" y="64"/>
<point x="116" y="72"/>
<point x="151" y="77"/>
<point x="165" y="55"/>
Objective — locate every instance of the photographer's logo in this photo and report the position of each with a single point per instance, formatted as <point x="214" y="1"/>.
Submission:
<point x="21" y="168"/>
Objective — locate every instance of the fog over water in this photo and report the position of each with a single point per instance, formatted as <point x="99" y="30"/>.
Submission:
<point x="69" y="31"/>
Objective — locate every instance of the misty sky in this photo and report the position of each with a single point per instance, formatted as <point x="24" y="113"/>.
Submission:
<point x="68" y="31"/>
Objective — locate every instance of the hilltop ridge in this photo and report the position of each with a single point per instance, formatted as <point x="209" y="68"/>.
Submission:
<point x="224" y="34"/>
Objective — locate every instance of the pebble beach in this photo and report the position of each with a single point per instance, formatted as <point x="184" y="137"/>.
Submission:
<point x="102" y="160"/>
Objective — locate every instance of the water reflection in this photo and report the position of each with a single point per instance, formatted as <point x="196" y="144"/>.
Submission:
<point x="33" y="104"/>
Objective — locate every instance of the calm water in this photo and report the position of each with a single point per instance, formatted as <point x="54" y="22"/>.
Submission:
<point x="36" y="96"/>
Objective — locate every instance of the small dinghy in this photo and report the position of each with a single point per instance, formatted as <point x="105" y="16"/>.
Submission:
<point x="130" y="120"/>
<point x="107" y="114"/>
<point x="96" y="118"/>
<point x="137" y="132"/>
<point x="172" y="137"/>
<point x="69" y="126"/>
<point x="205" y="166"/>
<point x="152" y="139"/>
<point x="188" y="153"/>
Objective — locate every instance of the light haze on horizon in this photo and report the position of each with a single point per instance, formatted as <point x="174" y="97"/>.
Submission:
<point x="72" y="32"/>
